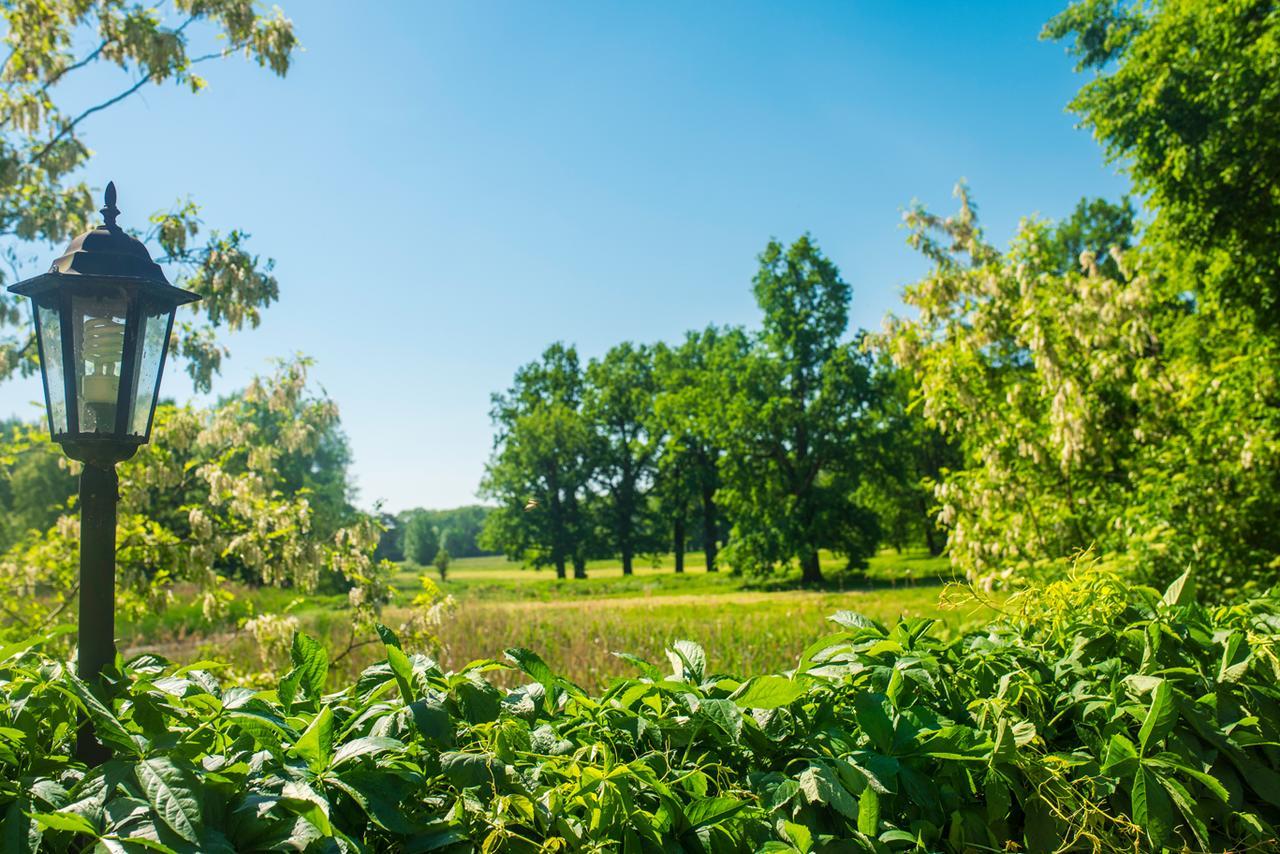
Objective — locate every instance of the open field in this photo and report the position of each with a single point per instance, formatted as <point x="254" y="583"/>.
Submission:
<point x="746" y="625"/>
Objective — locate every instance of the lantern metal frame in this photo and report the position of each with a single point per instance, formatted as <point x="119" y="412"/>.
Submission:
<point x="103" y="262"/>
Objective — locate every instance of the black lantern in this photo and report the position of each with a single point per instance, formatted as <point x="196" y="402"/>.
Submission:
<point x="103" y="317"/>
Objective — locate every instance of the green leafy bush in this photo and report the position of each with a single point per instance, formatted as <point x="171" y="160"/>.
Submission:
<point x="1095" y="715"/>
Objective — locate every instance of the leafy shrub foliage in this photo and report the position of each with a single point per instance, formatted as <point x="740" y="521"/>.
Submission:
<point x="1143" y="720"/>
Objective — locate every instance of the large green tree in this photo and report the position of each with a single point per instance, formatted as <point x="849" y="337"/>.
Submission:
<point x="542" y="466"/>
<point x="618" y="405"/>
<point x="421" y="540"/>
<point x="795" y="421"/>
<point x="1186" y="99"/>
<point x="690" y="377"/>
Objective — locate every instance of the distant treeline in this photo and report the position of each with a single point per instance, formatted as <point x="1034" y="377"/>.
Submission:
<point x="760" y="448"/>
<point x="419" y="535"/>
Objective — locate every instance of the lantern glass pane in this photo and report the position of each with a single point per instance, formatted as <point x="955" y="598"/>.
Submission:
<point x="153" y="339"/>
<point x="97" y="323"/>
<point x="49" y="327"/>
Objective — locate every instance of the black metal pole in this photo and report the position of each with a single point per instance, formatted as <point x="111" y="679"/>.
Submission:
<point x="98" y="494"/>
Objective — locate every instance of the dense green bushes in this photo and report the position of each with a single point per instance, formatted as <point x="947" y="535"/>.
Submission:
<point x="1094" y="716"/>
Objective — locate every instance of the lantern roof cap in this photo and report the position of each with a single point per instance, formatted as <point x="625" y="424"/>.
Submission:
<point x="106" y="252"/>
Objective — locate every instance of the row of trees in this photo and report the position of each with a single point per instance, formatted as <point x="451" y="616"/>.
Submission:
<point x="763" y="446"/>
<point x="1106" y="383"/>
<point x="419" y="535"/>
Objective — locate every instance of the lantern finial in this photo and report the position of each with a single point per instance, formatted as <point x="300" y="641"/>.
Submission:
<point x="110" y="211"/>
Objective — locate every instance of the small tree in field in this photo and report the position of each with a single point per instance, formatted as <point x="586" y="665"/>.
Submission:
<point x="442" y="562"/>
<point x="420" y="540"/>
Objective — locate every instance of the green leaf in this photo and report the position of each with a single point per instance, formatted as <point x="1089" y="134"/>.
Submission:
<point x="106" y="725"/>
<point x="869" y="811"/>
<point x="312" y="663"/>
<point x="689" y="660"/>
<point x="1160" y="718"/>
<point x="305" y="801"/>
<point x="372" y="795"/>
<point x="368" y="746"/>
<point x="874" y="721"/>
<point x="1122" y="757"/>
<point x="649" y="671"/>
<point x="1152" y="810"/>
<point x="402" y="669"/>
<point x="801" y="837"/>
<point x="724" y="714"/>
<point x="853" y="620"/>
<point x="173" y="793"/>
<point x="767" y="692"/>
<point x="709" y="811"/>
<point x="68" y="822"/>
<point x="1182" y="591"/>
<point x="1186" y="805"/>
<point x="388" y="637"/>
<point x="465" y="770"/>
<point x="821" y="786"/>
<point x="316" y="742"/>
<point x="433" y="721"/>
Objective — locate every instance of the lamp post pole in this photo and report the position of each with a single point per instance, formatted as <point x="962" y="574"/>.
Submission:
<point x="98" y="494"/>
<point x="103" y="317"/>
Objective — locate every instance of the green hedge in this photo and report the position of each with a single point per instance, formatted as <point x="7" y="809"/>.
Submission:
<point x="1094" y="716"/>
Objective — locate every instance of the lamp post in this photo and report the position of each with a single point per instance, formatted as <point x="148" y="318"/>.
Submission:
<point x="103" y="315"/>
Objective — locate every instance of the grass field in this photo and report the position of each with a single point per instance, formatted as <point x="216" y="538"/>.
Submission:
<point x="746" y="625"/>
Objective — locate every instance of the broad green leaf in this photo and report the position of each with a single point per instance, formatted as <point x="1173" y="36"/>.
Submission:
<point x="375" y="799"/>
<point x="724" y="714"/>
<point x="312" y="663"/>
<point x="173" y="793"/>
<point x="709" y="811"/>
<point x="1160" y="717"/>
<point x="1182" y="591"/>
<point x="874" y="721"/>
<point x="433" y="721"/>
<point x="308" y="803"/>
<point x="689" y="661"/>
<point x="66" y="821"/>
<point x="1187" y="806"/>
<point x="1152" y="810"/>
<point x="367" y="746"/>
<point x="1122" y="757"/>
<point x="869" y="811"/>
<point x="316" y="742"/>
<point x="649" y="671"/>
<point x="820" y="786"/>
<point x="854" y="620"/>
<point x="801" y="837"/>
<point x="767" y="692"/>
<point x="402" y="669"/>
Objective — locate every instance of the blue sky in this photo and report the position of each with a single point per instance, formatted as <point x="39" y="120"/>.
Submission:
<point x="446" y="188"/>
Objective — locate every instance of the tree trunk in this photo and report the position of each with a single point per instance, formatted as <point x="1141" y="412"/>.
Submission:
<point x="709" y="528"/>
<point x="560" y="566"/>
<point x="579" y="567"/>
<point x="810" y="569"/>
<point x="626" y="560"/>
<point x="677" y="543"/>
<point x="931" y="535"/>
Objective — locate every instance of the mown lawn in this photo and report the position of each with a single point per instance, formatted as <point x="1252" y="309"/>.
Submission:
<point x="746" y="625"/>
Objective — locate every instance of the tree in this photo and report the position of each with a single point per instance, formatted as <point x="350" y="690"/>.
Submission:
<point x="1134" y="419"/>
<point x="686" y="411"/>
<point x="207" y="504"/>
<point x="908" y="459"/>
<point x="1186" y="98"/>
<point x="421" y="541"/>
<point x="618" y="405"/>
<point x="542" y="466"/>
<point x="42" y="202"/>
<point x="795" y="420"/>
<point x="442" y="562"/>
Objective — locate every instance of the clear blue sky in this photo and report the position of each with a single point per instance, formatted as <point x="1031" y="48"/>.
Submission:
<point x="449" y="187"/>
